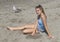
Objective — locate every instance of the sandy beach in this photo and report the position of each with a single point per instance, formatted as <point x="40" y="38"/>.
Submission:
<point x="27" y="15"/>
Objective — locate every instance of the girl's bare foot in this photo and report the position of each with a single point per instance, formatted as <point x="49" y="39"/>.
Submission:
<point x="10" y="28"/>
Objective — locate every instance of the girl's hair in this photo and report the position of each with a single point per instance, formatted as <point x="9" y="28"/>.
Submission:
<point x="39" y="6"/>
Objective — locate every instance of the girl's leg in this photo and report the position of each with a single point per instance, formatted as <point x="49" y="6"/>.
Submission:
<point x="21" y="27"/>
<point x="30" y="31"/>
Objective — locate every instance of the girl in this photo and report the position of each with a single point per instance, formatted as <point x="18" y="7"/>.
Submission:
<point x="39" y="25"/>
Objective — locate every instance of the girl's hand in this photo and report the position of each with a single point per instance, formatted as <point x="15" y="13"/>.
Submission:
<point x="34" y="32"/>
<point x="50" y="36"/>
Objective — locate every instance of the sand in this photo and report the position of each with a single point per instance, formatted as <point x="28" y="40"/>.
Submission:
<point x="27" y="16"/>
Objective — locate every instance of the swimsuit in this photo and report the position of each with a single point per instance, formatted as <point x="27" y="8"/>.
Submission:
<point x="40" y="25"/>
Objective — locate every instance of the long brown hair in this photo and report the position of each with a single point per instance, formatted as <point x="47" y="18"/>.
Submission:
<point x="39" y="6"/>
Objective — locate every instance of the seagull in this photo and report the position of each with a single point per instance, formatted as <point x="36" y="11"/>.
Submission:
<point x="16" y="10"/>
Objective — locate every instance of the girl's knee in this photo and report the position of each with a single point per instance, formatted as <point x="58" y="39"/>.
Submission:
<point x="28" y="31"/>
<point x="24" y="31"/>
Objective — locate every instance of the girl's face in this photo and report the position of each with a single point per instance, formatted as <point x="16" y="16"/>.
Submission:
<point x="38" y="11"/>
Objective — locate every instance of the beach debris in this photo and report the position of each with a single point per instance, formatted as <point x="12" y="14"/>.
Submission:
<point x="16" y="10"/>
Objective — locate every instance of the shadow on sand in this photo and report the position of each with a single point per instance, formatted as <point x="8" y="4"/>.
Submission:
<point x="37" y="36"/>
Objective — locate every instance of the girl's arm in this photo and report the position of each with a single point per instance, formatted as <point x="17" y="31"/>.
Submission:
<point x="46" y="26"/>
<point x="35" y="26"/>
